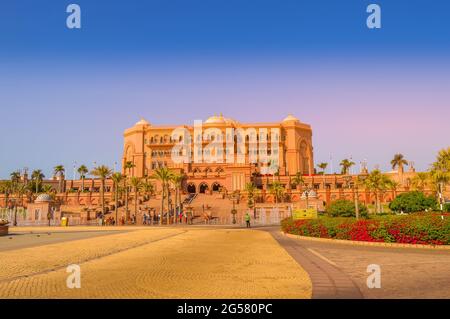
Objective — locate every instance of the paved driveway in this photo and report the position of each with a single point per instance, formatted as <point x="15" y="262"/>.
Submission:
<point x="405" y="272"/>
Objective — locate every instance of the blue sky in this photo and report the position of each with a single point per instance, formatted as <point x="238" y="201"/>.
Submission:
<point x="67" y="95"/>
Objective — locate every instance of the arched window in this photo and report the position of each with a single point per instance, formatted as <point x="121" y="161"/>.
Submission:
<point x="216" y="187"/>
<point x="191" y="188"/>
<point x="203" y="188"/>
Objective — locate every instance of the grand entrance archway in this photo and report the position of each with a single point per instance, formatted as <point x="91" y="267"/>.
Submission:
<point x="203" y="188"/>
<point x="191" y="188"/>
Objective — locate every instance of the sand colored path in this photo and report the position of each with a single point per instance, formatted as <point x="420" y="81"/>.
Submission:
<point x="157" y="263"/>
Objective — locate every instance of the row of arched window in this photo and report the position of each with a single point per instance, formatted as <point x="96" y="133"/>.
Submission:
<point x="162" y="139"/>
<point x="158" y="164"/>
<point x="156" y="139"/>
<point x="208" y="170"/>
<point x="207" y="152"/>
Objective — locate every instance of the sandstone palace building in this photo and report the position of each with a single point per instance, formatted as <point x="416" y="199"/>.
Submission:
<point x="214" y="178"/>
<point x="149" y="146"/>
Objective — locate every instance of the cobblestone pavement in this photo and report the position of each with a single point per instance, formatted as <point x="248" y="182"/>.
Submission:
<point x="156" y="263"/>
<point x="405" y="272"/>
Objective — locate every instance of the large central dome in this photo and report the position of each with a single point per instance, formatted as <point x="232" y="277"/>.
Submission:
<point x="216" y="120"/>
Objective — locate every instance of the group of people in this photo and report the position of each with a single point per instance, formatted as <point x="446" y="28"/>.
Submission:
<point x="111" y="221"/>
<point x="153" y="218"/>
<point x="186" y="217"/>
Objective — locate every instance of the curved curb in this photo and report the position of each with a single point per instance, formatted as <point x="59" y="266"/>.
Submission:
<point x="366" y="243"/>
<point x="328" y="281"/>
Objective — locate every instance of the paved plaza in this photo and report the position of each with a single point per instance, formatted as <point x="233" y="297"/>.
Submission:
<point x="207" y="262"/>
<point x="151" y="263"/>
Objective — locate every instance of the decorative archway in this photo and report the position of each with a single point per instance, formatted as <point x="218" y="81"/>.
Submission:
<point x="191" y="189"/>
<point x="216" y="187"/>
<point x="203" y="188"/>
<point x="304" y="157"/>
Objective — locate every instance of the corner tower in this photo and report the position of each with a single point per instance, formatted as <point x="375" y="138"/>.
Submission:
<point x="299" y="149"/>
<point x="134" y="148"/>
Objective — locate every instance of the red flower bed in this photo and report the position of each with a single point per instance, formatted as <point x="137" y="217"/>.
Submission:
<point x="423" y="228"/>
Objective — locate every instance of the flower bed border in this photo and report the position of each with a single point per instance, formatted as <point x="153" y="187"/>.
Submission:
<point x="367" y="243"/>
<point x="4" y="230"/>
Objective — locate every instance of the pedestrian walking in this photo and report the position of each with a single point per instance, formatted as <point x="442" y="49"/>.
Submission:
<point x="247" y="219"/>
<point x="144" y="222"/>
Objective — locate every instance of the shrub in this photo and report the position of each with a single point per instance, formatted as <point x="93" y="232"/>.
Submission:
<point x="345" y="208"/>
<point x="422" y="228"/>
<point x="413" y="202"/>
<point x="447" y="207"/>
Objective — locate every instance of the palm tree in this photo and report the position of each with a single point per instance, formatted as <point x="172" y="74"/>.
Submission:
<point x="21" y="189"/>
<point x="15" y="182"/>
<point x="136" y="183"/>
<point x="298" y="179"/>
<point x="102" y="172"/>
<point x="128" y="166"/>
<point x="252" y="191"/>
<point x="346" y="164"/>
<point x="393" y="185"/>
<point x="117" y="179"/>
<point x="82" y="170"/>
<point x="15" y="177"/>
<point x="148" y="188"/>
<point x="59" y="170"/>
<point x="37" y="176"/>
<point x="377" y="182"/>
<point x="177" y="180"/>
<point x="398" y="161"/>
<point x="163" y="174"/>
<point x="6" y="187"/>
<point x="420" y="181"/>
<point x="323" y="167"/>
<point x="276" y="189"/>
<point x="47" y="189"/>
<point x="440" y="173"/>
<point x="277" y="174"/>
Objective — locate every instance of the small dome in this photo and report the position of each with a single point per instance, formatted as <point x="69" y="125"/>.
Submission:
<point x="290" y="117"/>
<point x="216" y="120"/>
<point x="142" y="122"/>
<point x="43" y="198"/>
<point x="310" y="194"/>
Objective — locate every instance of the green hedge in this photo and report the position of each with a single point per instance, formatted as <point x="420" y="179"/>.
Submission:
<point x="345" y="208"/>
<point x="413" y="202"/>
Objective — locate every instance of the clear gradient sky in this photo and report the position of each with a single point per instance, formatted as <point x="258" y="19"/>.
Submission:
<point x="67" y="95"/>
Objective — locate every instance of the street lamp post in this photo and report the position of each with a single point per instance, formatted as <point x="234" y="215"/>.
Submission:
<point x="74" y="170"/>
<point x="14" y="207"/>
<point x="360" y="180"/>
<point x="234" y="212"/>
<point x="354" y="188"/>
<point x="356" y="201"/>
<point x="306" y="194"/>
